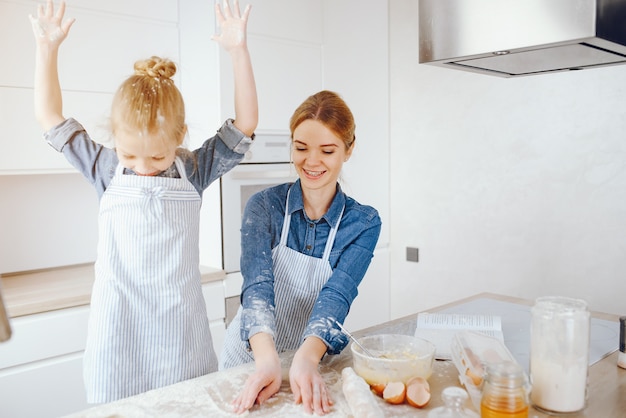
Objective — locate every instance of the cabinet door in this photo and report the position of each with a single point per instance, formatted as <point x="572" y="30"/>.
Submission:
<point x="215" y="299"/>
<point x="45" y="336"/>
<point x="41" y="365"/>
<point x="218" y="333"/>
<point x="99" y="53"/>
<point x="49" y="388"/>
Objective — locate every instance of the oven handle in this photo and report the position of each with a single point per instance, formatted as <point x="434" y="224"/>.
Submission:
<point x="273" y="174"/>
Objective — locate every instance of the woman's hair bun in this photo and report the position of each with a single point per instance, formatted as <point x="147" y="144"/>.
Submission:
<point x="155" y="67"/>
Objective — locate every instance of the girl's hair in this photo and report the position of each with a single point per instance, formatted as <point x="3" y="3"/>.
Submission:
<point x="148" y="102"/>
<point x="328" y="108"/>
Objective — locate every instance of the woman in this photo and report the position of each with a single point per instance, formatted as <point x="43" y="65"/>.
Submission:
<point x="305" y="248"/>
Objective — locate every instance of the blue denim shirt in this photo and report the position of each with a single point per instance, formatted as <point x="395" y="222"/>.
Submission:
<point x="97" y="163"/>
<point x="350" y="257"/>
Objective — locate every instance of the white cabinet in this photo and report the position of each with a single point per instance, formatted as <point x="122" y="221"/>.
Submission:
<point x="104" y="42"/>
<point x="288" y="60"/>
<point x="214" y="297"/>
<point x="41" y="366"/>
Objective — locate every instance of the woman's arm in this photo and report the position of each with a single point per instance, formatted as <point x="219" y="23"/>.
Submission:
<point x="233" y="39"/>
<point x="337" y="295"/>
<point x="260" y="232"/>
<point x="50" y="31"/>
<point x="258" y="322"/>
<point x="333" y="304"/>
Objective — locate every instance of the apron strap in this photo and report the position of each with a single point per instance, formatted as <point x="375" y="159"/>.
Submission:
<point x="286" y="222"/>
<point x="331" y="237"/>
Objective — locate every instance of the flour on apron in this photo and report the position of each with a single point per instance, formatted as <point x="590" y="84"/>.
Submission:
<point x="148" y="325"/>
<point x="298" y="280"/>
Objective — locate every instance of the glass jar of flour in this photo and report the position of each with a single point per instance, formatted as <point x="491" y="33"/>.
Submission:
<point x="559" y="354"/>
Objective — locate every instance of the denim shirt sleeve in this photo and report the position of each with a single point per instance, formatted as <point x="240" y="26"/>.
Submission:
<point x="217" y="155"/>
<point x="93" y="160"/>
<point x="259" y="235"/>
<point x="362" y="226"/>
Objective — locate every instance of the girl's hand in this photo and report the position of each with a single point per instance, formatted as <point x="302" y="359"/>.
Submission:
<point x="307" y="384"/>
<point x="49" y="27"/>
<point x="232" y="25"/>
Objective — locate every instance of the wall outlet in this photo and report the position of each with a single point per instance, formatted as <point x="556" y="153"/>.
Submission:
<point x="412" y="254"/>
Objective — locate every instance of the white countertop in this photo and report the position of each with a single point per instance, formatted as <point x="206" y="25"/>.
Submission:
<point x="212" y="394"/>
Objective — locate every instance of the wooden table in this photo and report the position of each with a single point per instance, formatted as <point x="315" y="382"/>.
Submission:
<point x="208" y="395"/>
<point x="607" y="382"/>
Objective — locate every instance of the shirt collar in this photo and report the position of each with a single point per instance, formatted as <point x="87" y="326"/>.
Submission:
<point x="296" y="203"/>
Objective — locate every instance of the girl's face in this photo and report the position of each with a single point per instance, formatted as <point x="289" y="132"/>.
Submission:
<point x="145" y="156"/>
<point x="318" y="155"/>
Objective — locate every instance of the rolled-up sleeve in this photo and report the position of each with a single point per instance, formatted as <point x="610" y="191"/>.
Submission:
<point x="95" y="161"/>
<point x="218" y="155"/>
<point x="257" y="299"/>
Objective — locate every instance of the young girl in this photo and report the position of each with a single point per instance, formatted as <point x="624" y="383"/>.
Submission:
<point x="305" y="248"/>
<point x="148" y="325"/>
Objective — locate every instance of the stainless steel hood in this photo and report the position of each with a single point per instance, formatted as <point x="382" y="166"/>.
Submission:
<point x="513" y="38"/>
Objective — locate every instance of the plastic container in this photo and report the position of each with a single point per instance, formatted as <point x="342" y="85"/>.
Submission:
<point x="504" y="393"/>
<point x="471" y="353"/>
<point x="396" y="358"/>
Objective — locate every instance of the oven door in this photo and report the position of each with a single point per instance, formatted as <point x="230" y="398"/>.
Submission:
<point x="236" y="187"/>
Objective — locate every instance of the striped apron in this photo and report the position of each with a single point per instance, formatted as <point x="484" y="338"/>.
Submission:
<point x="148" y="325"/>
<point x="298" y="280"/>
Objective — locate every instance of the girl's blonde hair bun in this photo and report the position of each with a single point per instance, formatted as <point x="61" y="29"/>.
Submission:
<point x="155" y="67"/>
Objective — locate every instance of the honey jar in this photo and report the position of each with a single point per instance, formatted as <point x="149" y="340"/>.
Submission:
<point x="504" y="392"/>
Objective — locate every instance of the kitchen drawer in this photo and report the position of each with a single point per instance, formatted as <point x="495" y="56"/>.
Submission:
<point x="48" y="388"/>
<point x="214" y="298"/>
<point x="46" y="335"/>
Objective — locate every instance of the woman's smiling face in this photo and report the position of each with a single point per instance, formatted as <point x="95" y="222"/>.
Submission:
<point x="318" y="155"/>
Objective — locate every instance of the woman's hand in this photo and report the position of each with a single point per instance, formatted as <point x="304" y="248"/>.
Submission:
<point x="49" y="27"/>
<point x="232" y="25"/>
<point x="265" y="381"/>
<point x="307" y="384"/>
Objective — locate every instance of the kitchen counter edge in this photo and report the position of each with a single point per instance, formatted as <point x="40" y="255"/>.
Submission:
<point x="59" y="288"/>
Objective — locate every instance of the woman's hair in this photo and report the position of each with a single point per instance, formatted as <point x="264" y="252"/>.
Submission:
<point x="328" y="108"/>
<point x="148" y="102"/>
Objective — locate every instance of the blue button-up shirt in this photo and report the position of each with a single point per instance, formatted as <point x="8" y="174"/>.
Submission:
<point x="350" y="257"/>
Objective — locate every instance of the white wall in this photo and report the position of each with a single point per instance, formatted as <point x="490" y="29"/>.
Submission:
<point x="514" y="186"/>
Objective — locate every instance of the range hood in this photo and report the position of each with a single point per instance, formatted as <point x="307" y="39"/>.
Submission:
<point x="514" y="38"/>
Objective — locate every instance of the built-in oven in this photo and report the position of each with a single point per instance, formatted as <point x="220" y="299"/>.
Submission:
<point x="266" y="164"/>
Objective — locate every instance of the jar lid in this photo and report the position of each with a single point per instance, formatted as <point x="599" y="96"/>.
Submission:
<point x="505" y="374"/>
<point x="560" y="304"/>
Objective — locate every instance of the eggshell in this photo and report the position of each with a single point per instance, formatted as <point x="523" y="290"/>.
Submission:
<point x="394" y="393"/>
<point x="378" y="388"/>
<point x="418" y="392"/>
